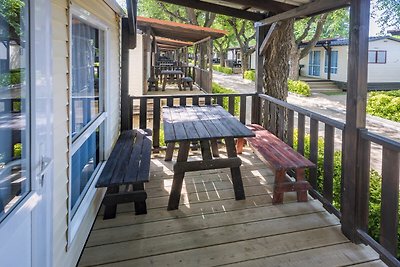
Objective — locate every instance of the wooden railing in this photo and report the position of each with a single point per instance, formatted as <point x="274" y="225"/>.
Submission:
<point x="203" y="79"/>
<point x="283" y="119"/>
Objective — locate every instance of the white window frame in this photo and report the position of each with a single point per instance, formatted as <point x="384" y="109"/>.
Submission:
<point x="75" y="221"/>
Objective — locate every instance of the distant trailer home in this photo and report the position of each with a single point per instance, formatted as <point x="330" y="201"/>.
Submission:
<point x="383" y="62"/>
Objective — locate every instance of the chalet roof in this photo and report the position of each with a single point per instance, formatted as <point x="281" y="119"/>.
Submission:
<point x="394" y="32"/>
<point x="177" y="31"/>
<point x="345" y="41"/>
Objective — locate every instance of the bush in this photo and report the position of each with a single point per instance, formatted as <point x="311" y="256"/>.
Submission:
<point x="250" y="75"/>
<point x="375" y="188"/>
<point x="299" y="87"/>
<point x="11" y="78"/>
<point x="218" y="89"/>
<point x="385" y="105"/>
<point x="222" y="69"/>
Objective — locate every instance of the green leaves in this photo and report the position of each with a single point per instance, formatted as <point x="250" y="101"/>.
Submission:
<point x="11" y="11"/>
<point x="387" y="13"/>
<point x="385" y="105"/>
<point x="299" y="87"/>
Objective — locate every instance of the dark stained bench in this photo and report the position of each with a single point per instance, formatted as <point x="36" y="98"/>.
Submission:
<point x="281" y="158"/>
<point x="126" y="171"/>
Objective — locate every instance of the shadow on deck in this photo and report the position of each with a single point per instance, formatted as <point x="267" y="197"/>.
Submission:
<point x="211" y="228"/>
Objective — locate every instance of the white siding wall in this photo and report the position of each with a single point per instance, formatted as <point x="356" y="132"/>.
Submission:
<point x="136" y="75"/>
<point x="64" y="255"/>
<point x="383" y="73"/>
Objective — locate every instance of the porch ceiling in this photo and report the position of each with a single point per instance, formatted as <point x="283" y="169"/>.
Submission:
<point x="178" y="31"/>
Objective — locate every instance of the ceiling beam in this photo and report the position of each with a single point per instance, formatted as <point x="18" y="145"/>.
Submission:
<point x="315" y="7"/>
<point x="265" y="43"/>
<point x="224" y="10"/>
<point x="267" y="5"/>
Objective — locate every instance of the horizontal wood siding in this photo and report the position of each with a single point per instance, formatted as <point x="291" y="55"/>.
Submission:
<point x="62" y="254"/>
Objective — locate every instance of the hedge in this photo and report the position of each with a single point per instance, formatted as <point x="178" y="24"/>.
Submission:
<point x="384" y="104"/>
<point x="250" y="75"/>
<point x="375" y="186"/>
<point x="218" y="89"/>
<point x="299" y="87"/>
<point x="11" y="78"/>
<point x="222" y="69"/>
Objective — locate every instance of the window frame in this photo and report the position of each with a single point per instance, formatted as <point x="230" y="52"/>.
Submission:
<point x="376" y="56"/>
<point x="75" y="219"/>
<point x="332" y="67"/>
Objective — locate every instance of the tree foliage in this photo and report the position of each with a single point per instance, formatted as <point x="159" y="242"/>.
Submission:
<point x="387" y="13"/>
<point x="11" y="11"/>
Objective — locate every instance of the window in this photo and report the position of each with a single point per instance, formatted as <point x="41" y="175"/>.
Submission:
<point x="314" y="66"/>
<point x="15" y="181"/>
<point x="87" y="107"/>
<point x="377" y="57"/>
<point x="334" y="62"/>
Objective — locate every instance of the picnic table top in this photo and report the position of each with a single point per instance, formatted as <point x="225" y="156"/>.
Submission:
<point x="171" y="72"/>
<point x="192" y="123"/>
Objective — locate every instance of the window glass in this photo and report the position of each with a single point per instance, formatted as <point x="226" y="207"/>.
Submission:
<point x="314" y="63"/>
<point x="14" y="89"/>
<point x="86" y="75"/>
<point x="381" y="57"/>
<point x="334" y="62"/>
<point x="83" y="165"/>
<point x="371" y="56"/>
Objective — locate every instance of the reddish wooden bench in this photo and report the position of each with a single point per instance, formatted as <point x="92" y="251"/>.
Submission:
<point x="281" y="158"/>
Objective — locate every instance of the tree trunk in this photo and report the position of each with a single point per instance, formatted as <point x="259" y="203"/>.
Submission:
<point x="294" y="64"/>
<point x="245" y="62"/>
<point x="222" y="58"/>
<point x="276" y="63"/>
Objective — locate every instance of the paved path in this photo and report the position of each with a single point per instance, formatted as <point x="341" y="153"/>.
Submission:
<point x="333" y="106"/>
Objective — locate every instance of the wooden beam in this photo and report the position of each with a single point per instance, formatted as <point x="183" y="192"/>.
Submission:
<point x="131" y="6"/>
<point x="202" y="40"/>
<point x="267" y="5"/>
<point x="265" y="43"/>
<point x="224" y="10"/>
<point x="315" y="7"/>
<point x="357" y="82"/>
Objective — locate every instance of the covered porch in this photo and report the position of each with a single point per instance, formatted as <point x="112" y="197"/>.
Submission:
<point x="211" y="228"/>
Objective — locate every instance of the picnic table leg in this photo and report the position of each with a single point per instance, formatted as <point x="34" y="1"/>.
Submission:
<point x="164" y="79"/>
<point x="179" y="83"/>
<point x="205" y="150"/>
<point x="235" y="172"/>
<point x="280" y="177"/>
<point x="175" y="195"/>
<point x="214" y="147"/>
<point x="140" y="203"/>
<point x="301" y="195"/>
<point x="110" y="211"/>
<point x="170" y="151"/>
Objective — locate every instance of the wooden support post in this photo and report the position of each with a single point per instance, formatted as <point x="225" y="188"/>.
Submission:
<point x="256" y="103"/>
<point x="355" y="115"/>
<point x="210" y="62"/>
<point x="128" y="42"/>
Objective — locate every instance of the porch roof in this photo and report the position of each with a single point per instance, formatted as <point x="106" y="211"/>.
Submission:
<point x="179" y="32"/>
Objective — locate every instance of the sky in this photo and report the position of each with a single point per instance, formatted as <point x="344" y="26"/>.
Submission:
<point x="373" y="26"/>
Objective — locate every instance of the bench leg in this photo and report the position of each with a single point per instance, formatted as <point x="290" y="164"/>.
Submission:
<point x="175" y="195"/>
<point x="239" y="145"/>
<point x="235" y="172"/>
<point x="280" y="177"/>
<point x="214" y="148"/>
<point x="301" y="195"/>
<point x="110" y="211"/>
<point x="170" y="151"/>
<point x="140" y="204"/>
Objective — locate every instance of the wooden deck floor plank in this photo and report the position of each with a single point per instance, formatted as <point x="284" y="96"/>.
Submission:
<point x="192" y="223"/>
<point x="336" y="255"/>
<point x="218" y="254"/>
<point x="376" y="263"/>
<point x="206" y="237"/>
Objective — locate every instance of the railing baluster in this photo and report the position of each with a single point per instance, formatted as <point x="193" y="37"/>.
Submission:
<point x="290" y="127"/>
<point x="313" y="151"/>
<point x="329" y="151"/>
<point x="272" y="122"/>
<point x="243" y="109"/>
<point x="156" y="122"/>
<point x="220" y="100"/>
<point x="143" y="113"/>
<point x="390" y="199"/>
<point x="231" y="105"/>
<point x="281" y="122"/>
<point x="266" y="114"/>
<point x="195" y="100"/>
<point x="207" y="100"/>
<point x="182" y="101"/>
<point x="301" y="130"/>
<point x="170" y="101"/>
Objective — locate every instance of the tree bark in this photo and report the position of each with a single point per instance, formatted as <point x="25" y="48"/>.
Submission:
<point x="276" y="63"/>
<point x="222" y="58"/>
<point x="294" y="64"/>
<point x="245" y="62"/>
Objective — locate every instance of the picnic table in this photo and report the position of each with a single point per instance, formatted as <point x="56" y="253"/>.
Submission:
<point x="172" y="76"/>
<point x="206" y="124"/>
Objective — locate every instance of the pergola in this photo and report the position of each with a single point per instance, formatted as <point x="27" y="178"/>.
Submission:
<point x="355" y="185"/>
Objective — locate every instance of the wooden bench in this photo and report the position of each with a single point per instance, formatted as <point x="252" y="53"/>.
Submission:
<point x="281" y="158"/>
<point x="187" y="81"/>
<point x="126" y="171"/>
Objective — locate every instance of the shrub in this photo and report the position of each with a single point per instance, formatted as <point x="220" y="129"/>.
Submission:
<point x="299" y="87"/>
<point x="250" y="75"/>
<point x="222" y="69"/>
<point x="17" y="150"/>
<point x="374" y="189"/>
<point x="218" y="89"/>
<point x="385" y="105"/>
<point x="11" y="78"/>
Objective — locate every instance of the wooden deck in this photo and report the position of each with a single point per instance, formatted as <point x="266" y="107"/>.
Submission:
<point x="212" y="229"/>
